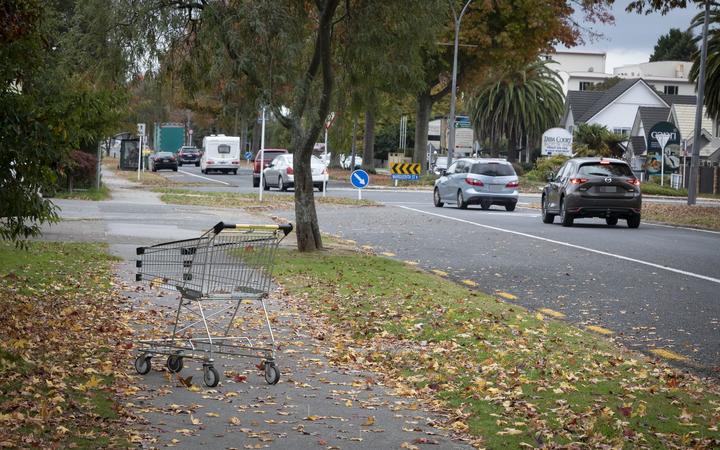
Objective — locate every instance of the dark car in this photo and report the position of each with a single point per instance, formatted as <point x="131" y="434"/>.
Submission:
<point x="188" y="155"/>
<point x="163" y="160"/>
<point x="593" y="187"/>
<point x="267" y="157"/>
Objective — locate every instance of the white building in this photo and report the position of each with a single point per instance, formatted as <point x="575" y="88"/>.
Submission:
<point x="668" y="77"/>
<point x="578" y="70"/>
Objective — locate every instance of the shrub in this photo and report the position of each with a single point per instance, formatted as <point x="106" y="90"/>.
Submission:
<point x="543" y="166"/>
<point x="80" y="170"/>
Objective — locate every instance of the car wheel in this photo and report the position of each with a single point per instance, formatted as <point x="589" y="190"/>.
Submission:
<point x="565" y="219"/>
<point x="485" y="205"/>
<point x="510" y="207"/>
<point x="321" y="187"/>
<point x="175" y="169"/>
<point x="256" y="182"/>
<point x="265" y="184"/>
<point x="281" y="185"/>
<point x="461" y="201"/>
<point x="633" y="221"/>
<point x="436" y="198"/>
<point x="235" y="172"/>
<point x="546" y="216"/>
<point x="197" y="164"/>
<point x="611" y="221"/>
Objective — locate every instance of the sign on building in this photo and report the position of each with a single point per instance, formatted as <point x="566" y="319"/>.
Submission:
<point x="663" y="135"/>
<point x="557" y="141"/>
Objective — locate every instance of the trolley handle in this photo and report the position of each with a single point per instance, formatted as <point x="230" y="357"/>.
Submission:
<point x="286" y="228"/>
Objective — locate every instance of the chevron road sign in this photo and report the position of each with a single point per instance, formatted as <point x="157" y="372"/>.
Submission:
<point x="405" y="171"/>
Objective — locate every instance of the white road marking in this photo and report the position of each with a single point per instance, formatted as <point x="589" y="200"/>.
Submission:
<point x="565" y="244"/>
<point x="204" y="178"/>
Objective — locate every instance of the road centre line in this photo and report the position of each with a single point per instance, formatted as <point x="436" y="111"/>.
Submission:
<point x="566" y="244"/>
<point x="204" y="178"/>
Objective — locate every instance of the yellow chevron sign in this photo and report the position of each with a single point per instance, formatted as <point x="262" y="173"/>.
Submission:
<point x="405" y="168"/>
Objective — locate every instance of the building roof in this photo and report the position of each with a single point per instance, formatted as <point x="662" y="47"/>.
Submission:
<point x="679" y="99"/>
<point x="637" y="144"/>
<point x="711" y="144"/>
<point x="580" y="101"/>
<point x="608" y="97"/>
<point x="650" y="115"/>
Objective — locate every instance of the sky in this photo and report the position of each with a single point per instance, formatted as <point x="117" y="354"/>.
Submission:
<point x="633" y="36"/>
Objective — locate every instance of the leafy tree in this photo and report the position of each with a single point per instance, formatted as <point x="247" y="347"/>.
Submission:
<point x="605" y="84"/>
<point x="712" y="69"/>
<point x="597" y="140"/>
<point x="499" y="35"/>
<point x="49" y="105"/>
<point x="518" y="104"/>
<point x="676" y="45"/>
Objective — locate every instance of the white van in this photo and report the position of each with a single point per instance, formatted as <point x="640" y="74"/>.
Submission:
<point x="220" y="153"/>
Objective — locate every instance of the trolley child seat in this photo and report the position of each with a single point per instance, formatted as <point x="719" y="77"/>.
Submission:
<point x="214" y="274"/>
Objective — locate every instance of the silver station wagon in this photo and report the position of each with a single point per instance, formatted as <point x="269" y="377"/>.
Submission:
<point x="477" y="181"/>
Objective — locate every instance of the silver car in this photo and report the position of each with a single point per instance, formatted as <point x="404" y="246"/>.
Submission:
<point x="479" y="181"/>
<point x="280" y="173"/>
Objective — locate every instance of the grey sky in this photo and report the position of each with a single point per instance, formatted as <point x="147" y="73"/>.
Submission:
<point x="632" y="38"/>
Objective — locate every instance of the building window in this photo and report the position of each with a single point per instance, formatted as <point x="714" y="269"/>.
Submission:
<point x="671" y="90"/>
<point x="625" y="132"/>
<point x="586" y="85"/>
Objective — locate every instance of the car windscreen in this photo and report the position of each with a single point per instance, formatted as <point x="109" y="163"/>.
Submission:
<point x="493" y="169"/>
<point x="605" y="170"/>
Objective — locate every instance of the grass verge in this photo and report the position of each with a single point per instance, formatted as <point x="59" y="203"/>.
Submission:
<point x="694" y="216"/>
<point x="510" y="377"/>
<point x="248" y="201"/>
<point x="60" y="349"/>
<point x="90" y="194"/>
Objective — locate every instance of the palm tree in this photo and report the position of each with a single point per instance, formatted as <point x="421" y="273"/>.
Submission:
<point x="597" y="140"/>
<point x="517" y="104"/>
<point x="712" y="69"/>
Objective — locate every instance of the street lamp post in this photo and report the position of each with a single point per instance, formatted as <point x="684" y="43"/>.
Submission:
<point x="451" y="121"/>
<point x="692" y="186"/>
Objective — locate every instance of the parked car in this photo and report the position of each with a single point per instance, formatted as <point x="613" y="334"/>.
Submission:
<point x="163" y="160"/>
<point x="346" y="161"/>
<point x="477" y="181"/>
<point x="269" y="155"/>
<point x="280" y="173"/>
<point x="440" y="165"/>
<point x="220" y="153"/>
<point x="593" y="187"/>
<point x="188" y="155"/>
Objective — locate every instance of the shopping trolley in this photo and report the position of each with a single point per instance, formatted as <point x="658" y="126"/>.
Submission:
<point x="215" y="274"/>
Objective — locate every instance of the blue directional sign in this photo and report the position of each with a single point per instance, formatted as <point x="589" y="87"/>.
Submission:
<point x="248" y="155"/>
<point x="360" y="179"/>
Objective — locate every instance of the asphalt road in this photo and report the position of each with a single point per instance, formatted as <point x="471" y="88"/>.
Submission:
<point x="656" y="287"/>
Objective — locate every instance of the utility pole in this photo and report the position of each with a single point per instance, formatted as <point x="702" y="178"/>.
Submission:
<point x="694" y="166"/>
<point x="451" y="121"/>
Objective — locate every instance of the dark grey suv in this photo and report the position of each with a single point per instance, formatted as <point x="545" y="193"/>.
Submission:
<point x="593" y="187"/>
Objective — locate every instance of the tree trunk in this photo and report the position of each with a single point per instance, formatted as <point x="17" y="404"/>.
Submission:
<point x="257" y="130"/>
<point x="369" y="141"/>
<point x="243" y="135"/>
<point x="307" y="229"/>
<point x="422" y="119"/>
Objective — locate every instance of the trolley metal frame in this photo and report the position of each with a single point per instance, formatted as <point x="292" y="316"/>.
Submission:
<point x="227" y="265"/>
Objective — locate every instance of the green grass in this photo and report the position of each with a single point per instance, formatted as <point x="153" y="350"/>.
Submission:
<point x="91" y="194"/>
<point x="512" y="376"/>
<point x="250" y="201"/>
<point x="59" y="327"/>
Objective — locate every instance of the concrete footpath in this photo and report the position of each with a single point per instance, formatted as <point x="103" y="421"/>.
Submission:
<point x="315" y="405"/>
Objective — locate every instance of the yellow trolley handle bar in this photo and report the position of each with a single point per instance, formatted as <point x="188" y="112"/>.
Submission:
<point x="285" y="228"/>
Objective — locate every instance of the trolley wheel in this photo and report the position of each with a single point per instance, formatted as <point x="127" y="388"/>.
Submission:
<point x="272" y="373"/>
<point x="211" y="377"/>
<point x="142" y="364"/>
<point x="175" y="363"/>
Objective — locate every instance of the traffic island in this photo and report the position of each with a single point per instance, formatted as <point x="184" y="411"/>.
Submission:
<point x="504" y="375"/>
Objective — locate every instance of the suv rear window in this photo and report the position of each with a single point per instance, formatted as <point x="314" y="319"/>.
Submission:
<point x="493" y="169"/>
<point x="605" y="170"/>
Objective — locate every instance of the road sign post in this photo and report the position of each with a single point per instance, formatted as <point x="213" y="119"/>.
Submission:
<point x="328" y="123"/>
<point x="141" y="133"/>
<point x="360" y="179"/>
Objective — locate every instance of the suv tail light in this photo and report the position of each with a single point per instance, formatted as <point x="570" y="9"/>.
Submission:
<point x="578" y="180"/>
<point x="634" y="181"/>
<point x="512" y="184"/>
<point x="474" y="182"/>
<point x="289" y="170"/>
